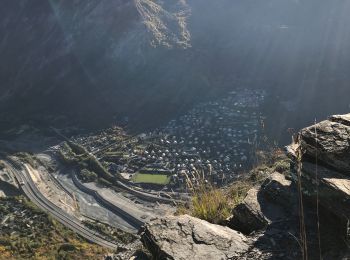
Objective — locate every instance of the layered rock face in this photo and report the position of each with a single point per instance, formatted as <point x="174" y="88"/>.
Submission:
<point x="264" y="205"/>
<point x="330" y="142"/>
<point x="325" y="165"/>
<point x="186" y="238"/>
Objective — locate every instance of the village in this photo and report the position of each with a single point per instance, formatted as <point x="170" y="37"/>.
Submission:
<point x="212" y="143"/>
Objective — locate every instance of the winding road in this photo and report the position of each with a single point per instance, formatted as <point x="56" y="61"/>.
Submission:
<point x="32" y="192"/>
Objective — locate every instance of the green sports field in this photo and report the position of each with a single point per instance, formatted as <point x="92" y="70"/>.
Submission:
<point x="151" y="178"/>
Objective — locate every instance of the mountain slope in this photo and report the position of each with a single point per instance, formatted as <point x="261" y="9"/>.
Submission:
<point x="110" y="59"/>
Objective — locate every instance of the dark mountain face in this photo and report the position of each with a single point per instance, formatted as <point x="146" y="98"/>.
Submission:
<point x="95" y="61"/>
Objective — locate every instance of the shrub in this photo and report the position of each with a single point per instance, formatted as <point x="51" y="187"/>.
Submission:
<point x="87" y="176"/>
<point x="77" y="149"/>
<point x="237" y="192"/>
<point x="66" y="247"/>
<point x="282" y="166"/>
<point x="27" y="158"/>
<point x="97" y="167"/>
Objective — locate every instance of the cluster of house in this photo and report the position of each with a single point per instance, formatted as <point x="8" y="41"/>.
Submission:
<point x="215" y="139"/>
<point x="214" y="142"/>
<point x="101" y="140"/>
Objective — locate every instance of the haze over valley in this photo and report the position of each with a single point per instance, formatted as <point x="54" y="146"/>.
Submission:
<point x="170" y="129"/>
<point x="111" y="60"/>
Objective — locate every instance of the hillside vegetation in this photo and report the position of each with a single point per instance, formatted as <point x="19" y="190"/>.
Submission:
<point x="28" y="233"/>
<point x="215" y="204"/>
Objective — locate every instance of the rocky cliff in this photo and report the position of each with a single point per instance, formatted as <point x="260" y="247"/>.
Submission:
<point x="308" y="205"/>
<point x="324" y="167"/>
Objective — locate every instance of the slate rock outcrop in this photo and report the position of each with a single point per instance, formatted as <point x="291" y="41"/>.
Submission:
<point x="185" y="237"/>
<point x="329" y="140"/>
<point x="325" y="164"/>
<point x="264" y="205"/>
<point x="248" y="216"/>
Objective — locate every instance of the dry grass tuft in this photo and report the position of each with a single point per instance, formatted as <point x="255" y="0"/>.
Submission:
<point x="211" y="205"/>
<point x="215" y="204"/>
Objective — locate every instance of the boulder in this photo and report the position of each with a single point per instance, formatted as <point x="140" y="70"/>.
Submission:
<point x="248" y="216"/>
<point x="185" y="237"/>
<point x="332" y="145"/>
<point x="264" y="205"/>
<point x="327" y="178"/>
<point x="277" y="189"/>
